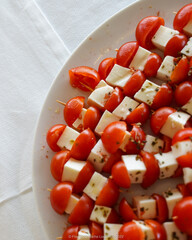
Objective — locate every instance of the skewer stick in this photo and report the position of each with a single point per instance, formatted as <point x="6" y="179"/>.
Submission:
<point x="49" y="189"/>
<point x="59" y="238"/>
<point x="89" y="88"/>
<point x="175" y="217"/>
<point x="64" y="104"/>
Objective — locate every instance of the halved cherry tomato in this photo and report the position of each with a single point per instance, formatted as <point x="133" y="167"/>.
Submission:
<point x="185" y="160"/>
<point x="130" y="231"/>
<point x="162" y="209"/>
<point x="114" y="100"/>
<point x="139" y="115"/>
<point x="83" y="145"/>
<point x="158" y="229"/>
<point x="152" y="65"/>
<point x="178" y="172"/>
<point x="60" y="195"/>
<point x="53" y="136"/>
<point x="57" y="163"/>
<point x="175" y="45"/>
<point x="115" y="157"/>
<point x="182" y="135"/>
<point x="96" y="231"/>
<point x="126" y="53"/>
<point x="113" y="217"/>
<point x="126" y="211"/>
<point x="189" y="188"/>
<point x="152" y="169"/>
<point x="159" y="117"/>
<point x="167" y="143"/>
<point x="134" y="84"/>
<point x="180" y="73"/>
<point x="84" y="75"/>
<point x="183" y="190"/>
<point x="71" y="233"/>
<point x="183" y="93"/>
<point x="146" y="29"/>
<point x="105" y="67"/>
<point x="91" y="118"/>
<point x="113" y="136"/>
<point x="182" y="215"/>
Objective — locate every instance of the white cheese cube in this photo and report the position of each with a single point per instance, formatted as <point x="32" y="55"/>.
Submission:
<point x="125" y="141"/>
<point x="188" y="28"/>
<point x="188" y="107"/>
<point x="187" y="50"/>
<point x="135" y="167"/>
<point x="147" y="92"/>
<point x="119" y="76"/>
<point x="67" y="138"/>
<point x="153" y="144"/>
<point x="167" y="164"/>
<point x="100" y="214"/>
<point x="73" y="200"/>
<point x="187" y="175"/>
<point x="140" y="59"/>
<point x="98" y="156"/>
<point x="172" y="232"/>
<point x="165" y="70"/>
<point x="111" y="231"/>
<point x="84" y="233"/>
<point x="125" y="108"/>
<point x="95" y="185"/>
<point x="172" y="197"/>
<point x="104" y="121"/>
<point x="78" y="124"/>
<point x="146" y="207"/>
<point x="72" y="169"/>
<point x="147" y="230"/>
<point x="181" y="148"/>
<point x="175" y="122"/>
<point x="162" y="37"/>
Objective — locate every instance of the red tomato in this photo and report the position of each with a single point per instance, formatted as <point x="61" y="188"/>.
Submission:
<point x="108" y="195"/>
<point x="134" y="83"/>
<point x="113" y="136"/>
<point x="115" y="157"/>
<point x="183" y="93"/>
<point x="182" y="215"/>
<point x="162" y="209"/>
<point x="57" y="163"/>
<point x="71" y="233"/>
<point x="158" y="229"/>
<point x="91" y="118"/>
<point x="163" y="97"/>
<point x="82" y="211"/>
<point x="60" y="195"/>
<point x="53" y="135"/>
<point x="152" y="169"/>
<point x="182" y="135"/>
<point x="120" y="175"/>
<point x="185" y="160"/>
<point x="180" y="73"/>
<point x="113" y="217"/>
<point x="146" y="29"/>
<point x="72" y="110"/>
<point x="175" y="45"/>
<point x="83" y="145"/>
<point x="152" y="65"/>
<point x="130" y="231"/>
<point x="178" y="172"/>
<point x="139" y="115"/>
<point x="105" y="67"/>
<point x="126" y="211"/>
<point x="189" y="188"/>
<point x="183" y="190"/>
<point x="96" y="231"/>
<point x="126" y="53"/>
<point x="167" y="144"/>
<point x="84" y="75"/>
<point x="182" y="17"/>
<point x="114" y="100"/>
<point x="159" y="117"/>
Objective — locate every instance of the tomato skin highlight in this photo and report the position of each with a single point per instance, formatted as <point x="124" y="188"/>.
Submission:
<point x="130" y="231"/>
<point x="152" y="65"/>
<point x="121" y="175"/>
<point x="182" y="135"/>
<point x="91" y="118"/>
<point x="158" y="229"/>
<point x="126" y="211"/>
<point x="162" y="208"/>
<point x="105" y="67"/>
<point x="114" y="100"/>
<point x="183" y="93"/>
<point x="139" y="115"/>
<point x="71" y="233"/>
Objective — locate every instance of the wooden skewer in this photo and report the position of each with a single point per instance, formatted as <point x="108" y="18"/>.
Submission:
<point x="116" y="49"/>
<point x="134" y="209"/>
<point x="49" y="189"/>
<point x="175" y="217"/>
<point x="175" y="12"/>
<point x="64" y="104"/>
<point x="59" y="238"/>
<point x="89" y="88"/>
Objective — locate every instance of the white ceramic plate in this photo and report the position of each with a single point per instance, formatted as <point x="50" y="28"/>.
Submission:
<point x="99" y="45"/>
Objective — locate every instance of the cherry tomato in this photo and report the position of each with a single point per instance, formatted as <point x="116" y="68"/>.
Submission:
<point x="182" y="135"/>
<point x="175" y="45"/>
<point x="189" y="188"/>
<point x="126" y="53"/>
<point x="162" y="209"/>
<point x="115" y="157"/>
<point x="152" y="65"/>
<point x="113" y="217"/>
<point x="183" y="190"/>
<point x="185" y="160"/>
<point x="114" y="100"/>
<point x="178" y="172"/>
<point x="167" y="144"/>
<point x="146" y="29"/>
<point x="71" y="233"/>
<point x="183" y="93"/>
<point x="53" y="135"/>
<point x="134" y="83"/>
<point x="163" y="97"/>
<point x="83" y="145"/>
<point x="152" y="169"/>
<point x="96" y="231"/>
<point x="57" y="163"/>
<point x="139" y="115"/>
<point x="113" y="136"/>
<point x="84" y="75"/>
<point x="120" y="175"/>
<point x="82" y="211"/>
<point x="158" y="229"/>
<point x="130" y="231"/>
<point x="182" y="215"/>
<point x="126" y="211"/>
<point x="159" y="117"/>
<point x="91" y="118"/>
<point x="60" y="195"/>
<point x="180" y="73"/>
<point x="105" y="67"/>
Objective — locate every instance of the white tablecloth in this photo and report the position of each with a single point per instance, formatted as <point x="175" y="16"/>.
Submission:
<point x="36" y="39"/>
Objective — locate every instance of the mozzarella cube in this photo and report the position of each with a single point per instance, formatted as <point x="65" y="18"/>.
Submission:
<point x="147" y="92"/>
<point x="135" y="167"/>
<point x="125" y="108"/>
<point x="147" y="230"/>
<point x="187" y="50"/>
<point x="104" y="121"/>
<point x="125" y="141"/>
<point x="140" y="59"/>
<point x="188" y="107"/>
<point x="167" y="164"/>
<point x="165" y="70"/>
<point x="119" y="76"/>
<point x="146" y="207"/>
<point x="162" y="37"/>
<point x="188" y="28"/>
<point x="73" y="200"/>
<point x="172" y="197"/>
<point x="95" y="185"/>
<point x="181" y="148"/>
<point x="153" y="144"/>
<point x="172" y="232"/>
<point x="111" y="231"/>
<point x="98" y="156"/>
<point x="84" y="233"/>
<point x="175" y="122"/>
<point x="187" y="175"/>
<point x="78" y="124"/>
<point x="100" y="214"/>
<point x="67" y="138"/>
